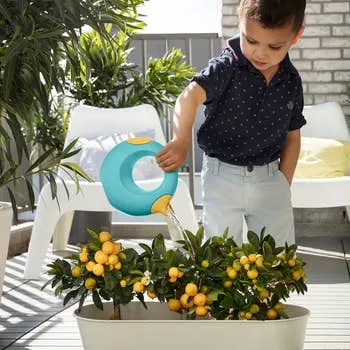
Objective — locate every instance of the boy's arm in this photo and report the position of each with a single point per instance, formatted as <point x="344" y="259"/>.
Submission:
<point x="173" y="155"/>
<point x="290" y="154"/>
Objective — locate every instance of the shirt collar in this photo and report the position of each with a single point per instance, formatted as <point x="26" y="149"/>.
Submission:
<point x="233" y="44"/>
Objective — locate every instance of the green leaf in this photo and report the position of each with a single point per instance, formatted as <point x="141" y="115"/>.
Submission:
<point x="283" y="314"/>
<point x="82" y="299"/>
<point x="227" y="301"/>
<point x="97" y="300"/>
<point x="199" y="236"/>
<point x="213" y="294"/>
<point x="225" y="234"/>
<point x="71" y="295"/>
<point x="92" y="233"/>
<point x="146" y="248"/>
<point x="254" y="240"/>
<point x="267" y="249"/>
<point x="110" y="282"/>
<point x="158" y="245"/>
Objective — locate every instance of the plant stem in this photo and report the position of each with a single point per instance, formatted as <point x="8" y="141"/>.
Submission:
<point x="116" y="310"/>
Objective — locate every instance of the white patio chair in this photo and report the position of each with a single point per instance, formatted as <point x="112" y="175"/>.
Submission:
<point x="324" y="120"/>
<point x="92" y="122"/>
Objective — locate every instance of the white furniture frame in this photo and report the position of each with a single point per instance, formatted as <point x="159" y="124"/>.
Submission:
<point x="325" y="120"/>
<point x="91" y="122"/>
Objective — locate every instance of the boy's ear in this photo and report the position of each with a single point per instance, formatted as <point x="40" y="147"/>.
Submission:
<point x="298" y="35"/>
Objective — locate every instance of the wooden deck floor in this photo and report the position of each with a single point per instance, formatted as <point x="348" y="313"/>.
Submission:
<point x="34" y="319"/>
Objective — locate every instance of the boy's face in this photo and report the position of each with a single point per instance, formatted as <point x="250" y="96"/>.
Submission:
<point x="265" y="48"/>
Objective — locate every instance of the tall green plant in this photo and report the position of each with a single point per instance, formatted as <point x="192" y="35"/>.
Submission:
<point x="99" y="68"/>
<point x="163" y="81"/>
<point x="34" y="37"/>
<point x="102" y="75"/>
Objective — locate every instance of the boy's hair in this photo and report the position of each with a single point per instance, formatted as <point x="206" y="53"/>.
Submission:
<point x="274" y="13"/>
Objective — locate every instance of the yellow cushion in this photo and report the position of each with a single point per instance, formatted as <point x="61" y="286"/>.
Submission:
<point x="322" y="158"/>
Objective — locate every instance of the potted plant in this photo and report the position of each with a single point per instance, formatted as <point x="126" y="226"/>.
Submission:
<point x="33" y="45"/>
<point x="219" y="292"/>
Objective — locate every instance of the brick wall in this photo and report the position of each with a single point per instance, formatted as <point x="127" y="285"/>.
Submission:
<point x="322" y="56"/>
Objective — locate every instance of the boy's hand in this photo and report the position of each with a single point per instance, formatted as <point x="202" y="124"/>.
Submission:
<point x="173" y="155"/>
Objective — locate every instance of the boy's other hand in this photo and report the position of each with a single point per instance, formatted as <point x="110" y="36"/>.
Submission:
<point x="173" y="155"/>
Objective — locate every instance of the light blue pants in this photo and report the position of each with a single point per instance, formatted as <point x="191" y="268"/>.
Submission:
<point x="261" y="196"/>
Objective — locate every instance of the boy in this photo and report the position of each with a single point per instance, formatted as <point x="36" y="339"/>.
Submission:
<point x="250" y="137"/>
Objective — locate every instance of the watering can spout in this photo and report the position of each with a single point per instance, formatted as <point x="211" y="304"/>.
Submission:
<point x="161" y="205"/>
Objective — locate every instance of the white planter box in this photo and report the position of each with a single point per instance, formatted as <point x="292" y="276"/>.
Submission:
<point x="159" y="328"/>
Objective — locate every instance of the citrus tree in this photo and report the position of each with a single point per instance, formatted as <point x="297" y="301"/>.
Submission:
<point x="102" y="268"/>
<point x="216" y="278"/>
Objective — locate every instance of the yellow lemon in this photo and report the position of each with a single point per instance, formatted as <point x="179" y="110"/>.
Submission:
<point x="108" y="248"/>
<point x="254" y="308"/>
<point x="264" y="293"/>
<point x="201" y="311"/>
<point x="231" y="273"/>
<point x="144" y="281"/>
<point x="200" y="299"/>
<point x="104" y="236"/>
<point x="151" y="294"/>
<point x="83" y="257"/>
<point x="173" y="272"/>
<point x="227" y="283"/>
<point x="184" y="301"/>
<point x="116" y="248"/>
<point x="252" y="258"/>
<point x="259" y="262"/>
<point x="236" y="266"/>
<point x="244" y="260"/>
<point x="90" y="265"/>
<point x="174" y="305"/>
<point x="101" y="257"/>
<point x="138" y="287"/>
<point x="113" y="259"/>
<point x="279" y="306"/>
<point x="205" y="264"/>
<point x="90" y="283"/>
<point x="248" y="315"/>
<point x="296" y="275"/>
<point x="291" y="262"/>
<point x="76" y="271"/>
<point x="271" y="314"/>
<point x="191" y="289"/>
<point x="252" y="274"/>
<point x="123" y="283"/>
<point x="98" y="270"/>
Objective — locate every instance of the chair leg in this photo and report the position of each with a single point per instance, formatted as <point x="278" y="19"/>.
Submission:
<point x="47" y="216"/>
<point x="62" y="231"/>
<point x="347" y="208"/>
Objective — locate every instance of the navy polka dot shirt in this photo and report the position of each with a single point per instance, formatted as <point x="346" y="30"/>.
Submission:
<point x="246" y="120"/>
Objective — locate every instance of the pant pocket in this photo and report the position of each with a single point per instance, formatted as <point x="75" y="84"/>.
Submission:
<point x="283" y="177"/>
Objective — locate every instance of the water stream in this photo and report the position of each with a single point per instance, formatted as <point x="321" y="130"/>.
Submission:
<point x="175" y="227"/>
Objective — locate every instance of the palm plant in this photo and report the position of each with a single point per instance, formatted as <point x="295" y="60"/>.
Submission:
<point x="34" y="37"/>
<point x="102" y="75"/>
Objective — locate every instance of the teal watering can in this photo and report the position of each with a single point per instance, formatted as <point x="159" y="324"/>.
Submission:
<point x="121" y="190"/>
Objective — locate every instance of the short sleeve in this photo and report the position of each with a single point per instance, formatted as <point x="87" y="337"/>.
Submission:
<point x="298" y="119"/>
<point x="215" y="78"/>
